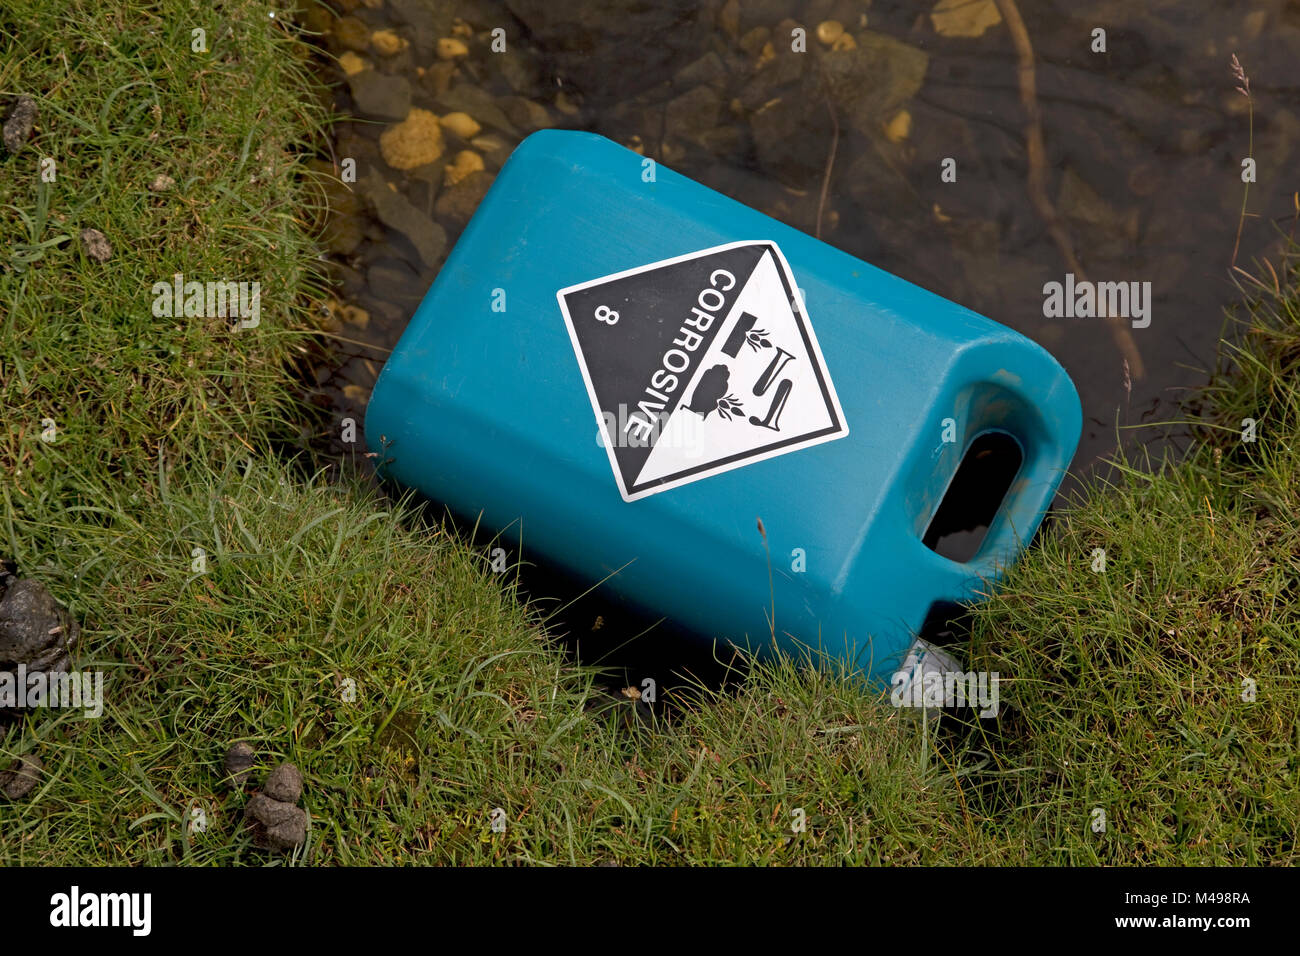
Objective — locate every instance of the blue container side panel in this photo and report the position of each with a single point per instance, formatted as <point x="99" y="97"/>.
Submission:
<point x="487" y="411"/>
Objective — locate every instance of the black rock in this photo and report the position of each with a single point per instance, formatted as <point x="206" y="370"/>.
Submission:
<point x="871" y="81"/>
<point x="18" y="127"/>
<point x="457" y="203"/>
<point x="21" y="778"/>
<point x="792" y="138"/>
<point x="276" y="824"/>
<point x="397" y="213"/>
<point x="34" y="629"/>
<point x="284" y="784"/>
<point x="380" y="96"/>
<point x="590" y="43"/>
<point x="239" y="763"/>
<point x="393" y="281"/>
<point x="267" y="810"/>
<point x="479" y="104"/>
<point x="290" y="833"/>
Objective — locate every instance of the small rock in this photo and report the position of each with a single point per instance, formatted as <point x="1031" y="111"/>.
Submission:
<point x="782" y="128"/>
<point x="426" y="21"/>
<point x="34" y="629"/>
<point x="457" y="203"/>
<point x="346" y="278"/>
<point x="397" y="282"/>
<point x="589" y="43"/>
<point x="494" y="148"/>
<point x="355" y="315"/>
<point x="352" y="34"/>
<point x="352" y="64"/>
<point x="239" y="763"/>
<point x="466" y="163"/>
<point x="451" y="48"/>
<point x="478" y="103"/>
<point x="279" y="825"/>
<point x="565" y="105"/>
<point x="379" y="95"/>
<point x="397" y="213"/>
<point x="437" y="78"/>
<point x="161" y="183"/>
<point x="415" y="141"/>
<point x="521" y="70"/>
<point x="22" y="777"/>
<point x="290" y="833"/>
<point x="462" y="124"/>
<point x="267" y="810"/>
<point x="387" y="42"/>
<point x="754" y="41"/>
<point x="693" y="113"/>
<point x="844" y="42"/>
<point x="964" y="18"/>
<point x="18" y="127"/>
<point x="96" y="243"/>
<point x="873" y="79"/>
<point x="707" y="70"/>
<point x="284" y="784"/>
<point x="900" y="127"/>
<point x="729" y="18"/>
<point x="828" y="31"/>
<point x="528" y="115"/>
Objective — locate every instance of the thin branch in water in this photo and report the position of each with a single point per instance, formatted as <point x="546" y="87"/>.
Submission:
<point x="830" y="164"/>
<point x="1037" y="154"/>
<point x="1239" y="74"/>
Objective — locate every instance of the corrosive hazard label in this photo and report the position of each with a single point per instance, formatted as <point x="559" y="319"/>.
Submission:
<point x="700" y="364"/>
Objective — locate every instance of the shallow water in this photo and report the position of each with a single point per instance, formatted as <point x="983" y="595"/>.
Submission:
<point x="1142" y="164"/>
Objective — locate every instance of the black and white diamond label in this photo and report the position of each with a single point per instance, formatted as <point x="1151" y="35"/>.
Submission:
<point x="700" y="364"/>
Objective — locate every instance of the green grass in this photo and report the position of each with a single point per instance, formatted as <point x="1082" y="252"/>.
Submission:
<point x="1122" y="690"/>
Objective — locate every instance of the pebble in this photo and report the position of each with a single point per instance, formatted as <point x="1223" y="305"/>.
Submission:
<point x="462" y="124"/>
<point x="900" y="127"/>
<point x="465" y="163"/>
<point x="22" y="777"/>
<point x="97" y="246"/>
<point x="828" y="31"/>
<point x="379" y="95"/>
<point x="415" y="141"/>
<point x="565" y="105"/>
<point x="398" y="213"/>
<point x="451" y="48"/>
<point x="278" y="824"/>
<point x="18" y="127"/>
<point x="35" y="630"/>
<point x="528" y="115"/>
<point x="387" y="42"/>
<point x="352" y="33"/>
<point x="457" y="203"/>
<point x="161" y="183"/>
<point x="353" y="64"/>
<point x="239" y="763"/>
<point x="284" y="784"/>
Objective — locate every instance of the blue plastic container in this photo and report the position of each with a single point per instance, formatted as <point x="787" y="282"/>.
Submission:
<point x="640" y="422"/>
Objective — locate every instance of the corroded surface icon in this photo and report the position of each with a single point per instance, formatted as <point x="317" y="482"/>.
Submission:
<point x="700" y="364"/>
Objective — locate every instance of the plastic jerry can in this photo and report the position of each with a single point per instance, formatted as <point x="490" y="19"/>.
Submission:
<point x="728" y="422"/>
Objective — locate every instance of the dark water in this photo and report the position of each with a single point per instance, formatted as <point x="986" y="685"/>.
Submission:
<point x="1142" y="159"/>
